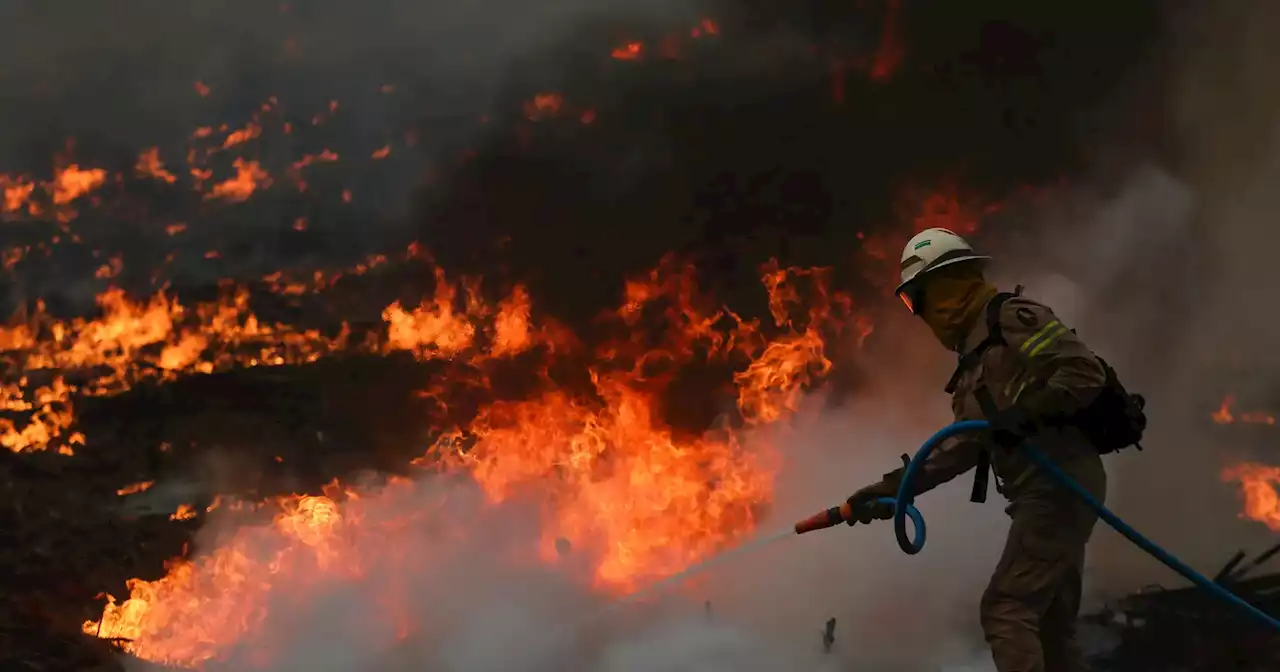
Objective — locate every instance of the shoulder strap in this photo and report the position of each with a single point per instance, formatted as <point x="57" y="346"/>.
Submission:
<point x="994" y="337"/>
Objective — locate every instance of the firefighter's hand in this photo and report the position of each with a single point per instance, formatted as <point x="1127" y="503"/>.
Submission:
<point x="865" y="505"/>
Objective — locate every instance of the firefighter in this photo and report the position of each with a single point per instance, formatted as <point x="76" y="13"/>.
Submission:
<point x="1027" y="374"/>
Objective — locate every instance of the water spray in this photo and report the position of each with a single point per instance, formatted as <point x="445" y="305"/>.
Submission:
<point x="698" y="568"/>
<point x="819" y="521"/>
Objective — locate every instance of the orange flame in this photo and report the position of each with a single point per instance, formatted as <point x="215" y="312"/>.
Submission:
<point x="1260" y="488"/>
<point x="249" y="177"/>
<point x="1224" y="415"/>
<point x="133" y="488"/>
<point x="608" y="475"/>
<point x="134" y="341"/>
<point x="628" y="52"/>
<point x="149" y="165"/>
<point x="72" y="183"/>
<point x="184" y="512"/>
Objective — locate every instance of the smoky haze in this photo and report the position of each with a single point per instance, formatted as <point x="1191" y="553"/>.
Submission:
<point x="1163" y="272"/>
<point x="1159" y="258"/>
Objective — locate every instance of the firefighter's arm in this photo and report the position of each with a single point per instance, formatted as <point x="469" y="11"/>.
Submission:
<point x="1063" y="375"/>
<point x="955" y="455"/>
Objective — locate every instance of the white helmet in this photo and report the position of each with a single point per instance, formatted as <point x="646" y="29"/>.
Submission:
<point x="929" y="250"/>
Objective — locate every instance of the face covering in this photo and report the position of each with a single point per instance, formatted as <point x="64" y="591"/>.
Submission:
<point x="954" y="297"/>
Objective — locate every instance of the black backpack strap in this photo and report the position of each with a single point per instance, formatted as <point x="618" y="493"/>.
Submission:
<point x="995" y="336"/>
<point x="981" y="475"/>
<point x="983" y="470"/>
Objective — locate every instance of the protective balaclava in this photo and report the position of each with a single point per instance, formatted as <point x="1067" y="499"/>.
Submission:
<point x="953" y="299"/>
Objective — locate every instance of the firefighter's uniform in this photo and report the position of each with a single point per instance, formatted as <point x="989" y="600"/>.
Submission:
<point x="1029" y="609"/>
<point x="1039" y="370"/>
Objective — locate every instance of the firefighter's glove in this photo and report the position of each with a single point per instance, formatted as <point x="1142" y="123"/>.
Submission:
<point x="864" y="503"/>
<point x="1012" y="426"/>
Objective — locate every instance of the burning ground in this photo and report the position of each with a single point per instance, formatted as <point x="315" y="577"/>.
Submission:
<point x="398" y="337"/>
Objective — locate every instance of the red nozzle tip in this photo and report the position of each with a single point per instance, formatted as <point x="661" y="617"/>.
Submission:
<point x="823" y="519"/>
<point x="817" y="521"/>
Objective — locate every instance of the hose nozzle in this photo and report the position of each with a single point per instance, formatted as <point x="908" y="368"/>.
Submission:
<point x="824" y="519"/>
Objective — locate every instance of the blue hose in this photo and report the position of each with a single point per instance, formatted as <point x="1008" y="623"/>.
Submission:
<point x="903" y="509"/>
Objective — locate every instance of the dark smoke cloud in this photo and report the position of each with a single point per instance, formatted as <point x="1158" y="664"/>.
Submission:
<point x="735" y="153"/>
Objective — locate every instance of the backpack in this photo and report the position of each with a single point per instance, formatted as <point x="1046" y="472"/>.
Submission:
<point x="1113" y="421"/>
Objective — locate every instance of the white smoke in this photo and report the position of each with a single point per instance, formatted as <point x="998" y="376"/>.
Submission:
<point x="467" y="578"/>
<point x="1161" y="271"/>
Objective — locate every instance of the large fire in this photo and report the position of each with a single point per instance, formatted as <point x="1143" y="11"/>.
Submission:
<point x="609" y="478"/>
<point x="614" y="482"/>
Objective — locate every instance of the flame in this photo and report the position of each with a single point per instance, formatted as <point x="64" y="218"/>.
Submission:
<point x="17" y="193"/>
<point x="543" y="105"/>
<point x="149" y="165"/>
<point x="628" y="52"/>
<point x="133" y="488"/>
<point x="243" y="135"/>
<point x="249" y="177"/>
<point x="203" y="606"/>
<point x="621" y="484"/>
<point x="325" y="156"/>
<point x="72" y="182"/>
<point x="625" y="490"/>
<point x="704" y="27"/>
<point x="134" y="341"/>
<point x="1224" y="415"/>
<point x="435" y="327"/>
<point x="282" y="282"/>
<point x="184" y="512"/>
<point x="1260" y="488"/>
<point x="945" y="209"/>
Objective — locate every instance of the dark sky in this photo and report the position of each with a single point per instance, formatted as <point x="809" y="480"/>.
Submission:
<point x="777" y="142"/>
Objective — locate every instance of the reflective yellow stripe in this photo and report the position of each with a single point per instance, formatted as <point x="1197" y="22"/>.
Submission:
<point x="1039" y="334"/>
<point x="1017" y="394"/>
<point x="1008" y="389"/>
<point x="1047" y="340"/>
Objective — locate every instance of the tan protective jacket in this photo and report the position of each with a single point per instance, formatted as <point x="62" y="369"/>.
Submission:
<point x="1044" y="366"/>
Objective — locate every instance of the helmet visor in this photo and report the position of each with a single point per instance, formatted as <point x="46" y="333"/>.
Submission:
<point x="912" y="297"/>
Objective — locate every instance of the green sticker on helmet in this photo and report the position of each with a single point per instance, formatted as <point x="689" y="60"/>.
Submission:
<point x="923" y="243"/>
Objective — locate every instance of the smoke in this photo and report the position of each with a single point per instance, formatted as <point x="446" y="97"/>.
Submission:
<point x="447" y="582"/>
<point x="86" y="84"/>
<point x="1163" y="268"/>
